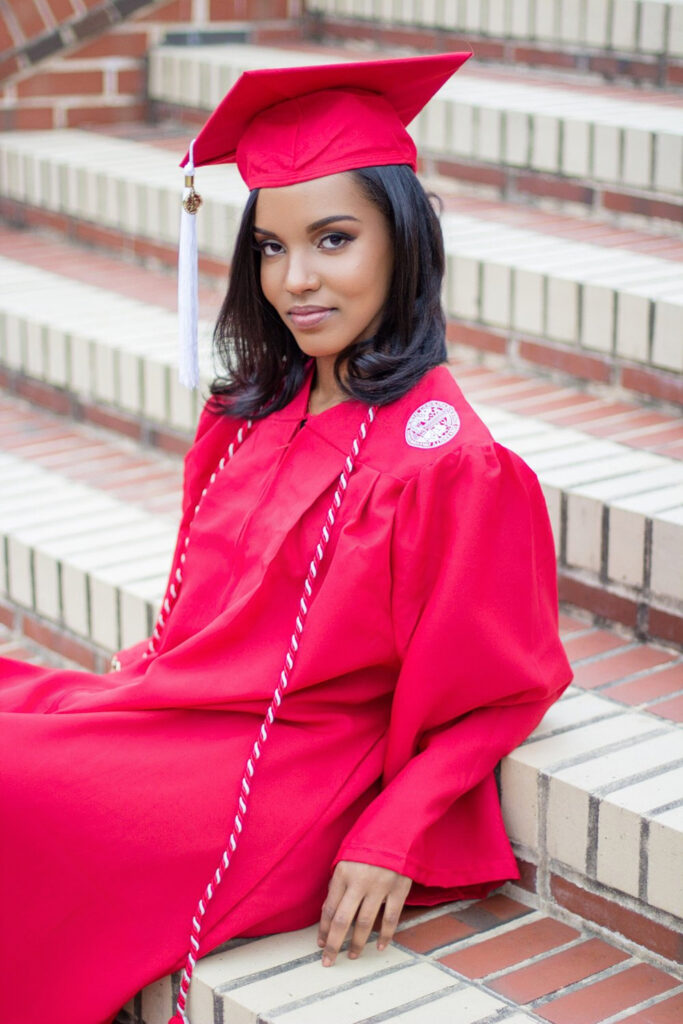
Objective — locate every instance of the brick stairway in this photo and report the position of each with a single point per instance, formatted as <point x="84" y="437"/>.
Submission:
<point x="562" y="193"/>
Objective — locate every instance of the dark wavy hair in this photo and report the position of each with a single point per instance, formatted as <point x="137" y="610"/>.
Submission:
<point x="263" y="367"/>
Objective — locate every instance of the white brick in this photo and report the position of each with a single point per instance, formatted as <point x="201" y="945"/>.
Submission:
<point x="567" y="825"/>
<point x="519" y="802"/>
<point x="667" y="554"/>
<point x="496" y="294"/>
<point x="562" y="309"/>
<point x="571" y="21"/>
<point x="371" y="998"/>
<point x="545" y="151"/>
<point x="621" y="765"/>
<point x="576" y="147"/>
<point x="652" y="24"/>
<point x="584" y="532"/>
<point x="665" y="862"/>
<point x="473" y="16"/>
<point x="517" y="138"/>
<point x="669" y="159"/>
<point x="597" y="321"/>
<point x="465" y="288"/>
<point x="489" y="135"/>
<point x="497" y="17"/>
<point x="520" y="19"/>
<point x="618" y="863"/>
<point x="624" y="25"/>
<point x="606" y="143"/>
<point x="595" y="23"/>
<point x="467" y="1005"/>
<point x="527" y="306"/>
<point x="675" y="41"/>
<point x="667" y="342"/>
<point x="545" y="753"/>
<point x="461" y="130"/>
<point x="546" y="21"/>
<point x="638" y="158"/>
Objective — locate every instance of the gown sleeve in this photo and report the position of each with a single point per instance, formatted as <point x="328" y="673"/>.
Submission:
<point x="474" y="606"/>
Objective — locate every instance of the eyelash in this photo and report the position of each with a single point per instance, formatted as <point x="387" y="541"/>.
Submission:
<point x="261" y="246"/>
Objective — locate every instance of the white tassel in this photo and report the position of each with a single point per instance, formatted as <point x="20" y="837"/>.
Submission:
<point x="188" y="301"/>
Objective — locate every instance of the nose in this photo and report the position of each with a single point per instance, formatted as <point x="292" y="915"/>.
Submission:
<point x="301" y="274"/>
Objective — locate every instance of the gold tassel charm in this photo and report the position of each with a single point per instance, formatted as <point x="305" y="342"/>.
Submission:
<point x="192" y="200"/>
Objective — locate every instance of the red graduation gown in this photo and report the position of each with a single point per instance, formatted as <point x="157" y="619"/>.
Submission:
<point x="430" y="651"/>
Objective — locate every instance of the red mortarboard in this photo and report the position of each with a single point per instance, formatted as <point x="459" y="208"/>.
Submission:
<point x="285" y="125"/>
<point x="282" y="126"/>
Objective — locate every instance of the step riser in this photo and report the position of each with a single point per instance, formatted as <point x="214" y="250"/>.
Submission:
<point x="610" y="63"/>
<point x="635" y="30"/>
<point x="511" y="137"/>
<point x="465" y="332"/>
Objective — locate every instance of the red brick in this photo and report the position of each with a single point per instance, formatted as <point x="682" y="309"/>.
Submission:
<point x="591" y="644"/>
<point x="430" y="935"/>
<point x="554" y="972"/>
<point x="30" y="119"/>
<point x="570" y="624"/>
<point x="68" y="83"/>
<point x="596" y="599"/>
<point x="671" y="709"/>
<point x="76" y="116"/>
<point x="421" y="39"/>
<point x="9" y="67"/>
<point x="594" y="1003"/>
<point x="607" y="66"/>
<point x="172" y="443"/>
<point x="643" y="71"/>
<point x="59" y="642"/>
<point x="7" y="615"/>
<point x="575" y="363"/>
<point x="461" y="334"/>
<point x="44" y="396"/>
<point x="61" y="9"/>
<point x="554" y="188"/>
<point x="481" y="174"/>
<point x="113" y="44"/>
<point x="527" y="875"/>
<point x="640" y="929"/>
<point x="669" y="1011"/>
<point x="551" y="58"/>
<point x="619" y="665"/>
<point x="640" y="691"/>
<point x="30" y="19"/>
<point x="132" y="81"/>
<point x="665" y="625"/>
<point x="674" y="74"/>
<point x="112" y="421"/>
<point x="505" y="950"/>
<point x="7" y="39"/>
<point x="668" y="387"/>
<point x="623" y="202"/>
<point x="275" y="35"/>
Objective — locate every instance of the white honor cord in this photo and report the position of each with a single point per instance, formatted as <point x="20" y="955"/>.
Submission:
<point x="180" y="1016"/>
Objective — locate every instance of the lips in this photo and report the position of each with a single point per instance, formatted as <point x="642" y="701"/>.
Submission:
<point x="305" y="317"/>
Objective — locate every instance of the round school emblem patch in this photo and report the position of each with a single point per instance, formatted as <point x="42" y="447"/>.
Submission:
<point x="432" y="425"/>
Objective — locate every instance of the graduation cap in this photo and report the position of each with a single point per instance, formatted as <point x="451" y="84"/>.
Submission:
<point x="283" y="126"/>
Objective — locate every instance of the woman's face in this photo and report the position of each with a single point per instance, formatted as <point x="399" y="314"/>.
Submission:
<point x="326" y="261"/>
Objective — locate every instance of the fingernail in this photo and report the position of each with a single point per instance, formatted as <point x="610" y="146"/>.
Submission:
<point x="381" y="946"/>
<point x="353" y="956"/>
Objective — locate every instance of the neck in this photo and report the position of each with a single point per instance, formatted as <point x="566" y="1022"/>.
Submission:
<point x="325" y="392"/>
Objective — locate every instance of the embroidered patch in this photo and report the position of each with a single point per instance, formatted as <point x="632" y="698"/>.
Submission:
<point x="432" y="425"/>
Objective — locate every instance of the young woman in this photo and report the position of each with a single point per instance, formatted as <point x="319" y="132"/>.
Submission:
<point x="361" y="617"/>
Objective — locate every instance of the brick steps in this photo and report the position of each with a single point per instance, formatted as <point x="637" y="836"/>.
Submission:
<point x="635" y="39"/>
<point x="601" y="147"/>
<point x="611" y="314"/>
<point x="497" y="960"/>
<point x="611" y="472"/>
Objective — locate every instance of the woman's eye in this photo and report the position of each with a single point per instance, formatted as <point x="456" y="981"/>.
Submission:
<point x="334" y="241"/>
<point x="269" y="248"/>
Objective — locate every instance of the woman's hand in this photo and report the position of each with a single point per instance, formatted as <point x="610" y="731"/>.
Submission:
<point x="357" y="891"/>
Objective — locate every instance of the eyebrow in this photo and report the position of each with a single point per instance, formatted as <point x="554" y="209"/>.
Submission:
<point x="335" y="218"/>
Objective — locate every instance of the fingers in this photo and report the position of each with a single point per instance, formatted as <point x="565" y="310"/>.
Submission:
<point x="355" y="898"/>
<point x="340" y="920"/>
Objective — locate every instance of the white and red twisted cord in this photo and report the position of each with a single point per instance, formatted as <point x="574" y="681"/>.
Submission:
<point x="180" y="1016"/>
<point x="176" y="580"/>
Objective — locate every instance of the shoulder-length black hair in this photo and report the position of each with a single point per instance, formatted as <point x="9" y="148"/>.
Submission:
<point x="262" y="365"/>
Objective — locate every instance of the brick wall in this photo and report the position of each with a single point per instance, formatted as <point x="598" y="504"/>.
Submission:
<point x="65" y="63"/>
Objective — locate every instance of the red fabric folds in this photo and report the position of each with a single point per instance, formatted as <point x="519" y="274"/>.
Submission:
<point x="430" y="650"/>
